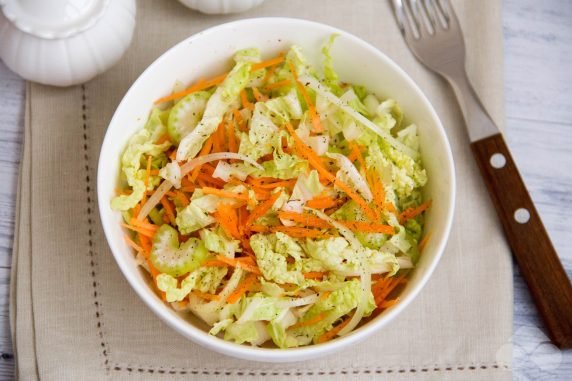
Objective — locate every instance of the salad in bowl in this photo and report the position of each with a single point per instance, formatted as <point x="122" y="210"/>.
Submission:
<point x="278" y="204"/>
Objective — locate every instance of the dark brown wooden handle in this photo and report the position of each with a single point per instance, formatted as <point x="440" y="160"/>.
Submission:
<point x="530" y="244"/>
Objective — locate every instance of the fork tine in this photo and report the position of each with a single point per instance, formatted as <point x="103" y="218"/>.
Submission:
<point x="424" y="19"/>
<point x="446" y="10"/>
<point x="439" y="15"/>
<point x="405" y="20"/>
<point x="399" y="15"/>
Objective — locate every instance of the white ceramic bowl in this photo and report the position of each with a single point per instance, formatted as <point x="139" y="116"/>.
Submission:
<point x="207" y="54"/>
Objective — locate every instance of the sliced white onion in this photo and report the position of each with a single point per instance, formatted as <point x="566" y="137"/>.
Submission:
<point x="155" y="198"/>
<point x="319" y="144"/>
<point x="347" y="167"/>
<point x="186" y="168"/>
<point x="358" y="315"/>
<point x="297" y="302"/>
<point x="318" y="88"/>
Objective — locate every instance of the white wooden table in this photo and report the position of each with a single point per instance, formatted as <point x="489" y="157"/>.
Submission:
<point x="538" y="85"/>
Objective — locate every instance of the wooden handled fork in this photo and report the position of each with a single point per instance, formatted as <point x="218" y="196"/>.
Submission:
<point x="432" y="32"/>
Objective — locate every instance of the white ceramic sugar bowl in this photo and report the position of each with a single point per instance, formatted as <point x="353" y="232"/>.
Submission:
<point x="221" y="6"/>
<point x="64" y="42"/>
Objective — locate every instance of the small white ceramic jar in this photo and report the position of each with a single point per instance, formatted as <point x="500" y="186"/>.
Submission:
<point x="64" y="42"/>
<point x="221" y="6"/>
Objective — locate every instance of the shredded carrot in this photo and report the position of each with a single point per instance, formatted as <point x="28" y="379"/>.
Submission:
<point x="222" y="138"/>
<point x="359" y="156"/>
<point x="202" y="182"/>
<point x="228" y="220"/>
<point x="283" y="183"/>
<point x="206" y="178"/>
<point x="200" y="85"/>
<point x="352" y="155"/>
<point x="316" y="124"/>
<point x="314" y="275"/>
<point x="242" y="288"/>
<point x="207" y="147"/>
<point x="271" y="62"/>
<point x="322" y="202"/>
<point x="133" y="244"/>
<point x="144" y="224"/>
<point x="285" y="82"/>
<point x="377" y="190"/>
<point x="215" y="263"/>
<point x="391" y="208"/>
<point x="257" y="228"/>
<point x="371" y="227"/>
<point x="239" y="120"/>
<point x="414" y="212"/>
<point x="154" y="272"/>
<point x="258" y="95"/>
<point x="244" y="99"/>
<point x="423" y="242"/>
<point x="384" y="289"/>
<point x="119" y="191"/>
<point x="169" y="211"/>
<point x="237" y="116"/>
<point x="242" y="215"/>
<point x="217" y="143"/>
<point x="204" y="295"/>
<point x="163" y="139"/>
<point x="146" y="244"/>
<point x="261" y="209"/>
<point x="182" y="198"/>
<point x="304" y="219"/>
<point x="225" y="194"/>
<point x="187" y="182"/>
<point x="232" y="144"/>
<point x="316" y="319"/>
<point x="148" y="171"/>
<point x="240" y="262"/>
<point x="324" y="295"/>
<point x="315" y="162"/>
<point x="388" y="303"/>
<point x="334" y="331"/>
<point x="143" y="231"/>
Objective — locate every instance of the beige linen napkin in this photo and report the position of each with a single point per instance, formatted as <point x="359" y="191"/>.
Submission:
<point x="74" y="317"/>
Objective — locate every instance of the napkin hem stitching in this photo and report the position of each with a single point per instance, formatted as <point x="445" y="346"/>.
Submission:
<point x="91" y="251"/>
<point x="301" y="372"/>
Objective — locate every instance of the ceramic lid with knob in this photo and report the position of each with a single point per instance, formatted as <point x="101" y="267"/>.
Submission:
<point x="64" y="42"/>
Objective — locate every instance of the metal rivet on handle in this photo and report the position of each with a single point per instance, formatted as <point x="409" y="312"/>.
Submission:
<point x="521" y="216"/>
<point x="498" y="160"/>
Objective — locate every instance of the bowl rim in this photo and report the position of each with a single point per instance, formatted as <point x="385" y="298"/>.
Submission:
<point x="217" y="344"/>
